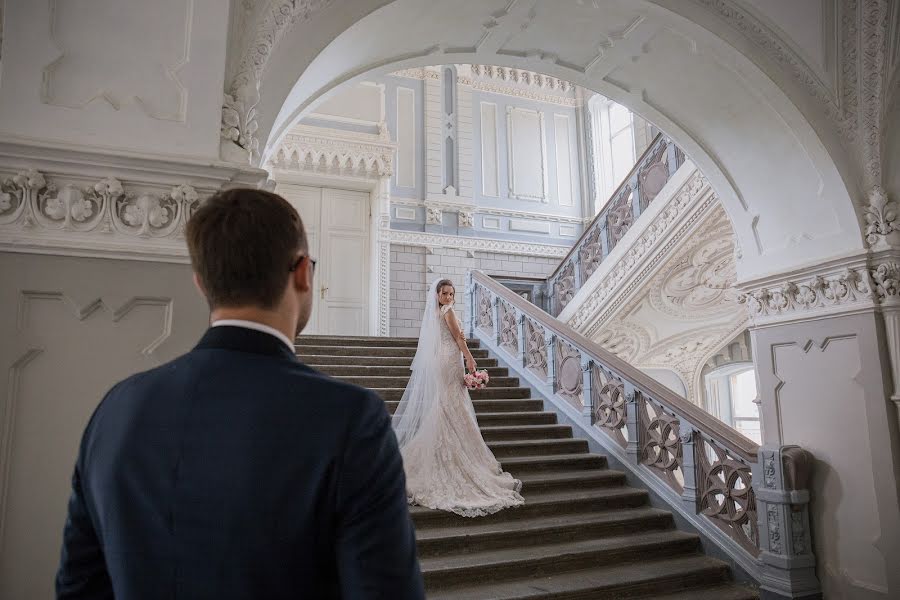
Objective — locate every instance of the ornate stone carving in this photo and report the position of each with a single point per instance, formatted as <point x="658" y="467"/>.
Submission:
<point x="508" y="336"/>
<point x="608" y="400"/>
<point x="619" y="216"/>
<point x="569" y="380"/>
<point x="535" y="348"/>
<point x="848" y="287"/>
<point x="882" y="229"/>
<point x="484" y="310"/>
<point x="660" y="442"/>
<point x="590" y="253"/>
<point x="725" y="486"/>
<point x="433" y="216"/>
<point x="774" y="530"/>
<point x="239" y="123"/>
<point x="433" y="240"/>
<point x="564" y="287"/>
<point x="29" y="200"/>
<point x="332" y="152"/>
<point x="466" y="218"/>
<point x="886" y="277"/>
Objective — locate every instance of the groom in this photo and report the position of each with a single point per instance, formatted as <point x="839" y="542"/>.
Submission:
<point x="234" y="471"/>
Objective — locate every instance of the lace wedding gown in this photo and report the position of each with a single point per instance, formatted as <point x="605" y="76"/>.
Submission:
<point x="448" y="465"/>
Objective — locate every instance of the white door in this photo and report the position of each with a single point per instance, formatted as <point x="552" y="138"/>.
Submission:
<point x="337" y="224"/>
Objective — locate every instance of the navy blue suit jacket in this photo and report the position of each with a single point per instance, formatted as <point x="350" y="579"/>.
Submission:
<point x="233" y="472"/>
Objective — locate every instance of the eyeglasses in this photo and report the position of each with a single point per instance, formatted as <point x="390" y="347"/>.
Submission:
<point x="300" y="258"/>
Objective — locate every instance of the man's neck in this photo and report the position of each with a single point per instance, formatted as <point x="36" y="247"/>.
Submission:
<point x="257" y="315"/>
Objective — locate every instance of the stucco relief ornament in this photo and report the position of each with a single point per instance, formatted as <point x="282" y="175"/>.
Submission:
<point x="886" y="278"/>
<point x="882" y="229"/>
<point x="466" y="219"/>
<point x="433" y="216"/>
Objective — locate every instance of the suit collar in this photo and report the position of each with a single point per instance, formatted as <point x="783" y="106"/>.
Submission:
<point x="228" y="337"/>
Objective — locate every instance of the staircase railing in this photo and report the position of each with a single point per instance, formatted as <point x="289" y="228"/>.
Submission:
<point x="710" y="471"/>
<point x="645" y="180"/>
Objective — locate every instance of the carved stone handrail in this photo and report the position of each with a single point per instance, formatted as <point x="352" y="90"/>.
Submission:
<point x="639" y="188"/>
<point x="750" y="500"/>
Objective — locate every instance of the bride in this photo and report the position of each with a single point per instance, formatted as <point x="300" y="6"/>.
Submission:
<point x="448" y="465"/>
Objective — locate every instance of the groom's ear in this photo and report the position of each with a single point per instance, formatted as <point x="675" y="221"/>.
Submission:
<point x="302" y="276"/>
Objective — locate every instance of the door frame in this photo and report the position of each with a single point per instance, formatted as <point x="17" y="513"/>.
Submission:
<point x="379" y="190"/>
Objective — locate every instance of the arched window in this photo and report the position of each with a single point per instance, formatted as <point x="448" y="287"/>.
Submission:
<point x="731" y="396"/>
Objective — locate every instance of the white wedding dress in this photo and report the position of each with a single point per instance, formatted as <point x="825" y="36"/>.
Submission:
<point x="448" y="465"/>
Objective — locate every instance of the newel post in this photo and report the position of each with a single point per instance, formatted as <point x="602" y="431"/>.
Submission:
<point x="780" y="481"/>
<point x="587" y="388"/>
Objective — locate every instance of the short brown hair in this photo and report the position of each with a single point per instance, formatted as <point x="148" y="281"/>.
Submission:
<point x="242" y="244"/>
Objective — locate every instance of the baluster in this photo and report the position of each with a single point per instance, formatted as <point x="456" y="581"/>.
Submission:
<point x="671" y="157"/>
<point x="520" y="337"/>
<point x="635" y="195"/>
<point x="550" y="344"/>
<point x="495" y="317"/>
<point x="632" y="398"/>
<point x="688" y="435"/>
<point x="576" y="267"/>
<point x="473" y="309"/>
<point x="587" y="388"/>
<point x="604" y="238"/>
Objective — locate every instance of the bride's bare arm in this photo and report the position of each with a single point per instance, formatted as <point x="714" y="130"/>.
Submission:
<point x="457" y="333"/>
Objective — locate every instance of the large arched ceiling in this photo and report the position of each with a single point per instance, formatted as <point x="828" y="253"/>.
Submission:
<point x="785" y="186"/>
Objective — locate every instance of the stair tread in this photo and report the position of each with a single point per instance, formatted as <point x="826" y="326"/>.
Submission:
<point x="541" y="476"/>
<point x="718" y="592"/>
<point x="600" y="578"/>
<point x="536" y="498"/>
<point x="541" y="427"/>
<point x="511" y="461"/>
<point x="539" y="523"/>
<point x="484" y="558"/>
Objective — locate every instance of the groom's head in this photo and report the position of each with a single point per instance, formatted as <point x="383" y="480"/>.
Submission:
<point x="249" y="252"/>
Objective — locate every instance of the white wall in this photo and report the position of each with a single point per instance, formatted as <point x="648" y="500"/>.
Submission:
<point x="71" y="328"/>
<point x="129" y="75"/>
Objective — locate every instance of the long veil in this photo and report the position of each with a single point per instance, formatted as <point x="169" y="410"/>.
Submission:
<point x="422" y="392"/>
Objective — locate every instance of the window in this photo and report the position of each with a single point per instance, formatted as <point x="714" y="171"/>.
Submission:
<point x="731" y="396"/>
<point x="614" y="146"/>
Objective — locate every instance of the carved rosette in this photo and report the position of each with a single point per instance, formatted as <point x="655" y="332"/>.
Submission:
<point x="29" y="200"/>
<point x="535" y="349"/>
<point x="608" y="395"/>
<point x="660" y="442"/>
<point x="725" y="492"/>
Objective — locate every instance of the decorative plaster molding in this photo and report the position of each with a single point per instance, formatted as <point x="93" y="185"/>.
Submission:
<point x="239" y="124"/>
<point x="496" y="212"/>
<point x="431" y="240"/>
<point x="466" y="218"/>
<point x="330" y="151"/>
<point x="675" y="220"/>
<point x="501" y="80"/>
<point x="433" y="215"/>
<point x="511" y="111"/>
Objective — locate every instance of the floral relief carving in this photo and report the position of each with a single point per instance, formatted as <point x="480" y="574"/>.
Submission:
<point x="820" y="292"/>
<point x="466" y="218"/>
<point x="660" y="442"/>
<point x="881" y="219"/>
<point x="564" y="286"/>
<point x="433" y="216"/>
<point x="104" y="207"/>
<point x="535" y="348"/>
<point x="509" y="328"/>
<point x="608" y="395"/>
<point x="620" y="216"/>
<point x="590" y="253"/>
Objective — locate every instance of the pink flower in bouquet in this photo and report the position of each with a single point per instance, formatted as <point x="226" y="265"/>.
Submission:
<point x="477" y="380"/>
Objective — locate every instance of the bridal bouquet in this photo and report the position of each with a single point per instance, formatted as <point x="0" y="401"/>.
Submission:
<point x="477" y="380"/>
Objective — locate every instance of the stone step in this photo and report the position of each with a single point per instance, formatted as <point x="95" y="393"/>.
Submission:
<point x="522" y="448"/>
<point x="548" y="559"/>
<point x="317" y="360"/>
<point x="555" y="529"/>
<point x="643" y="579"/>
<point x="510" y="418"/>
<point x="490" y="405"/>
<point x="525" y="432"/>
<point x="560" y="462"/>
<point x="367" y="351"/>
<point x="540" y="505"/>
<point x="491" y="393"/>
<point x="559" y="481"/>
<point x="399" y="342"/>
<point x="385" y="371"/>
<point x="716" y="592"/>
<point x="382" y="382"/>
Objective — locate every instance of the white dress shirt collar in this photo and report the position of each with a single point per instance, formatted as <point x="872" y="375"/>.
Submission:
<point x="257" y="327"/>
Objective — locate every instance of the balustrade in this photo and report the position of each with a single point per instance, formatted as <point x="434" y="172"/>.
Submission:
<point x="709" y="468"/>
<point x="648" y="177"/>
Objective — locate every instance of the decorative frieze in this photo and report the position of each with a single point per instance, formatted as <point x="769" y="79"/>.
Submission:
<point x="432" y="240"/>
<point x="324" y="151"/>
<point x="851" y="286"/>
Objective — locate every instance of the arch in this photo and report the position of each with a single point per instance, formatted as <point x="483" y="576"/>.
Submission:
<point x="786" y="193"/>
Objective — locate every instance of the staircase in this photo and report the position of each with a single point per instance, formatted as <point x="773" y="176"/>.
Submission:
<point x="582" y="533"/>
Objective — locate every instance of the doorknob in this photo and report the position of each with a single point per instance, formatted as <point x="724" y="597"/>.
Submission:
<point x="322" y="292"/>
